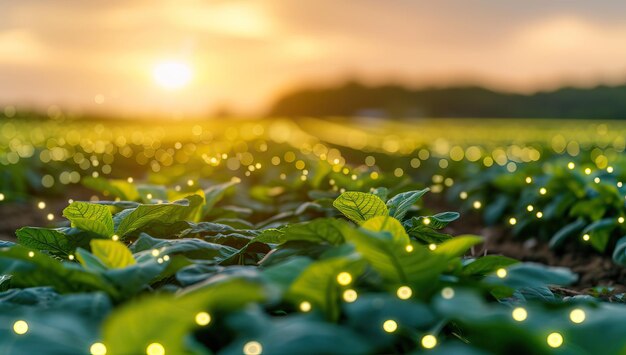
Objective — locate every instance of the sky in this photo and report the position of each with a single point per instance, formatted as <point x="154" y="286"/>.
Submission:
<point x="102" y="55"/>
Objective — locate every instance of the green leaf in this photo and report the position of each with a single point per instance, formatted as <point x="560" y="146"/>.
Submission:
<point x="400" y="204"/>
<point x="389" y="256"/>
<point x="30" y="268"/>
<point x="569" y="230"/>
<point x="318" y="283"/>
<point x="533" y="275"/>
<point x="113" y="254"/>
<point x="387" y="224"/>
<point x="215" y="193"/>
<point x="600" y="232"/>
<point x="487" y="264"/>
<point x="90" y="217"/>
<point x="619" y="253"/>
<point x="359" y="206"/>
<point x="51" y="240"/>
<point x="170" y="320"/>
<point x="458" y="246"/>
<point x="118" y="188"/>
<point x="167" y="213"/>
<point x="89" y="261"/>
<point x="320" y="230"/>
<point x="191" y="247"/>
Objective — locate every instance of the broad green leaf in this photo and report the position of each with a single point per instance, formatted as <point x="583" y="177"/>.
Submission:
<point x="387" y="224"/>
<point x="215" y="193"/>
<point x="51" y="240"/>
<point x="113" y="254"/>
<point x="457" y="246"/>
<point x="600" y="232"/>
<point x="320" y="230"/>
<point x="170" y="320"/>
<point x="569" y="230"/>
<point x="400" y="204"/>
<point x="359" y="206"/>
<point x="438" y="221"/>
<point x="533" y="275"/>
<point x="191" y="247"/>
<point x="487" y="264"/>
<point x="619" y="253"/>
<point x="167" y="213"/>
<point x="395" y="260"/>
<point x="30" y="268"/>
<point x="118" y="188"/>
<point x="90" y="217"/>
<point x="89" y="261"/>
<point x="318" y="283"/>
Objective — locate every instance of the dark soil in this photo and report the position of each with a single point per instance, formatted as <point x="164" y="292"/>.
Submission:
<point x="593" y="269"/>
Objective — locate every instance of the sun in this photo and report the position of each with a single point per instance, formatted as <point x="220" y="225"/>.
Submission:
<point x="172" y="74"/>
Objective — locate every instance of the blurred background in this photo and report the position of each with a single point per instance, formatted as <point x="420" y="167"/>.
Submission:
<point x="400" y="58"/>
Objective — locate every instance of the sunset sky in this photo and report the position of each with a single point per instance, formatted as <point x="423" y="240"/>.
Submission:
<point x="103" y="55"/>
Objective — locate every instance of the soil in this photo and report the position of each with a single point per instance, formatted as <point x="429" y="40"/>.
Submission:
<point x="594" y="270"/>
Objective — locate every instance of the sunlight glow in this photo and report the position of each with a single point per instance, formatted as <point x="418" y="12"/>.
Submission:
<point x="172" y="74"/>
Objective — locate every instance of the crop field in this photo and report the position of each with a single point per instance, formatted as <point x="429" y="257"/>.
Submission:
<point x="312" y="236"/>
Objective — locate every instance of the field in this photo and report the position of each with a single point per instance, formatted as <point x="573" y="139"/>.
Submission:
<point x="293" y="236"/>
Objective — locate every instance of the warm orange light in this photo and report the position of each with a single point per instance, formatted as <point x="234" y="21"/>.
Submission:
<point x="172" y="74"/>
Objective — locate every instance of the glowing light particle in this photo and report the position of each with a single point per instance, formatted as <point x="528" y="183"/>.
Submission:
<point x="586" y="237"/>
<point x="519" y="314"/>
<point x="98" y="349"/>
<point x="543" y="191"/>
<point x="426" y="221"/>
<point x="404" y="292"/>
<point x="390" y="326"/>
<point x="305" y="306"/>
<point x="447" y="293"/>
<point x="155" y="349"/>
<point x="20" y="327"/>
<point x="577" y="316"/>
<point x="432" y="246"/>
<point x="350" y="296"/>
<point x="429" y="341"/>
<point x="344" y="278"/>
<point x="501" y="273"/>
<point x="555" y="340"/>
<point x="512" y="221"/>
<point x="477" y="205"/>
<point x="253" y="348"/>
<point x="409" y="248"/>
<point x="203" y="318"/>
